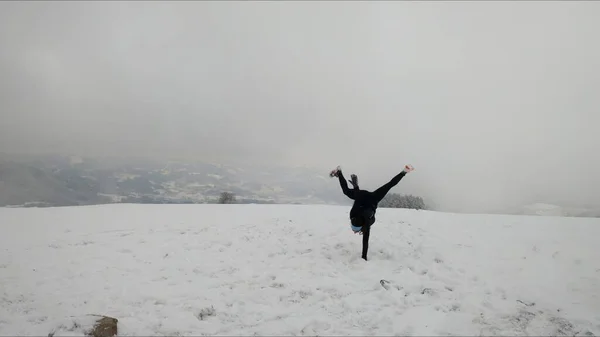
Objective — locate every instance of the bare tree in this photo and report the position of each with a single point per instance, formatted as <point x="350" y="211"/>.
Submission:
<point x="226" y="198"/>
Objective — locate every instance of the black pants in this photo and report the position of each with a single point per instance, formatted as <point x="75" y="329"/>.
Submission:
<point x="367" y="220"/>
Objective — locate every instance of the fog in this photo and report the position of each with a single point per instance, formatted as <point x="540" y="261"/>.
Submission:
<point x="492" y="102"/>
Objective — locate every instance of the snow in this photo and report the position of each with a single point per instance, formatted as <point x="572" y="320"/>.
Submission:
<point x="121" y="177"/>
<point x="74" y="160"/>
<point x="544" y="209"/>
<point x="113" y="197"/>
<point x="295" y="270"/>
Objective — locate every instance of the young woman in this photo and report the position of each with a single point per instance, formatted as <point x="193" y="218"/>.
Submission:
<point x="362" y="214"/>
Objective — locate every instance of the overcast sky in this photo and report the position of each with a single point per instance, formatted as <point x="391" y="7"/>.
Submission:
<point x="490" y="101"/>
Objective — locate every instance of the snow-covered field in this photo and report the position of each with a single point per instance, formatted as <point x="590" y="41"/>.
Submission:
<point x="296" y="270"/>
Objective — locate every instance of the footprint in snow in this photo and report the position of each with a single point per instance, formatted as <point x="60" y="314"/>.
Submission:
<point x="205" y="313"/>
<point x="427" y="291"/>
<point x="388" y="285"/>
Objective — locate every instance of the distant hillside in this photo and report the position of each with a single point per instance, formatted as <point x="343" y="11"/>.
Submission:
<point x="555" y="210"/>
<point x="63" y="181"/>
<point x="22" y="184"/>
<point x="27" y="181"/>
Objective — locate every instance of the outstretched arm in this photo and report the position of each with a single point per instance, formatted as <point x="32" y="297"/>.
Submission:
<point x="381" y="192"/>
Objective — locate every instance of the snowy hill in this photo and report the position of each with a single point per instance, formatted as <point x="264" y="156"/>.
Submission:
<point x="544" y="209"/>
<point x="555" y="210"/>
<point x="295" y="270"/>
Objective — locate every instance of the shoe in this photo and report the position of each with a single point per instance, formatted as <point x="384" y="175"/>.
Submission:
<point x="335" y="172"/>
<point x="354" y="180"/>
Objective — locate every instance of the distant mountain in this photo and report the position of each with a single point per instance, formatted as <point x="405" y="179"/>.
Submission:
<point x="28" y="181"/>
<point x="27" y="184"/>
<point x="68" y="180"/>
